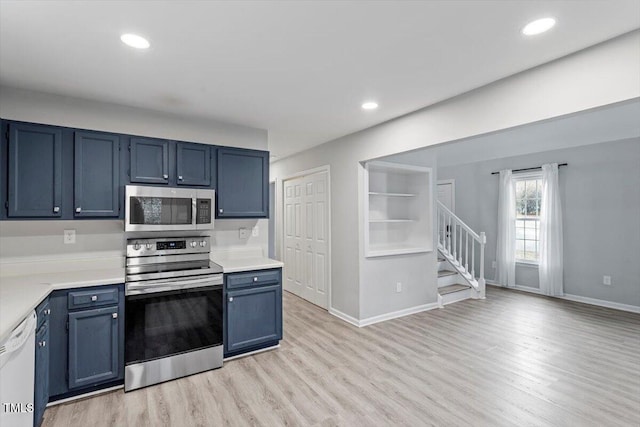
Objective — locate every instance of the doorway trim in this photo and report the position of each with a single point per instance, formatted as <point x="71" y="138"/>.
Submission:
<point x="453" y="191"/>
<point x="279" y="224"/>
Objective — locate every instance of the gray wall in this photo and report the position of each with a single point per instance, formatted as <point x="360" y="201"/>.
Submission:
<point x="600" y="190"/>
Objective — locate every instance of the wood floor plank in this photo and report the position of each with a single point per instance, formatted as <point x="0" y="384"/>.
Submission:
<point x="512" y="359"/>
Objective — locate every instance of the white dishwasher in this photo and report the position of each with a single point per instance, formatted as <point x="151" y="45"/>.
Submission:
<point x="17" y="363"/>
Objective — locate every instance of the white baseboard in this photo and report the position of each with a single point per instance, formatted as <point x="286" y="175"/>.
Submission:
<point x="577" y="298"/>
<point x="382" y="317"/>
<point x="602" y="303"/>
<point x="345" y="317"/>
<point x="84" y="396"/>
<point x="399" y="313"/>
<point x="262" y="350"/>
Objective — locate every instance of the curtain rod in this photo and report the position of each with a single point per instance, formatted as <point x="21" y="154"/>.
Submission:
<point x="529" y="169"/>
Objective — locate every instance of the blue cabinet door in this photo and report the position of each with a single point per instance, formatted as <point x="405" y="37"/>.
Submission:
<point x="96" y="170"/>
<point x="193" y="164"/>
<point x="253" y="317"/>
<point x="41" y="387"/>
<point x="93" y="346"/>
<point x="35" y="171"/>
<point x="243" y="183"/>
<point x="149" y="161"/>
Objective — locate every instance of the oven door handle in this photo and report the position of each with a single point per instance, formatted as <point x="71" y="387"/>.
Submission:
<point x="146" y="288"/>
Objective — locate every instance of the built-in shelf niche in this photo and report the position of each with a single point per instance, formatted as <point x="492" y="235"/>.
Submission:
<point x="398" y="218"/>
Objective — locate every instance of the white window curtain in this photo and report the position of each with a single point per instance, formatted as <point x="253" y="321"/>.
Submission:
<point x="505" y="248"/>
<point x="551" y="263"/>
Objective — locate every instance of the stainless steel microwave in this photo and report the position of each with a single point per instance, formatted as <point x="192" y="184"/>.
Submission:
<point x="166" y="209"/>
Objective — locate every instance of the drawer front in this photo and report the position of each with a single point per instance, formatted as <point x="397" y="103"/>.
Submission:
<point x="253" y="278"/>
<point x="92" y="298"/>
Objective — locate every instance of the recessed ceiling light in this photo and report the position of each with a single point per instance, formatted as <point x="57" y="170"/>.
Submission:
<point x="538" y="26"/>
<point x="370" y="105"/>
<point x="135" y="40"/>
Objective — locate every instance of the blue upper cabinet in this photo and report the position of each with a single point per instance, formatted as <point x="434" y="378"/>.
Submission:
<point x="35" y="171"/>
<point x="149" y="161"/>
<point x="96" y="175"/>
<point x="193" y="164"/>
<point x="243" y="183"/>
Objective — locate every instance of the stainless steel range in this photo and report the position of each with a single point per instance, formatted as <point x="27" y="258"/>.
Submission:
<point x="173" y="307"/>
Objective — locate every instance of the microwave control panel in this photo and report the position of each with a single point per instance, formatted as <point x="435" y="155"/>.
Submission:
<point x="203" y="211"/>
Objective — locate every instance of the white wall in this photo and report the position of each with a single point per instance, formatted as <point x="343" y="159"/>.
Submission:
<point x="38" y="107"/>
<point x="600" y="192"/>
<point x="43" y="239"/>
<point x="602" y="75"/>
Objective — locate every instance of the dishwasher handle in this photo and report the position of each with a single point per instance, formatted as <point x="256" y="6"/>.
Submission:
<point x="19" y="335"/>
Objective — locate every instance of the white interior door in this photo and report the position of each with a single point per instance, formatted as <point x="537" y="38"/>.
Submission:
<point x="447" y="194"/>
<point x="306" y="238"/>
<point x="293" y="268"/>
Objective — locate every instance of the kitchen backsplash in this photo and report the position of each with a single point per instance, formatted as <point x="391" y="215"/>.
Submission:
<point x="42" y="241"/>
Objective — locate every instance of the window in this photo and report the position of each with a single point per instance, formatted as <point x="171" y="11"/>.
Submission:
<point x="528" y="196"/>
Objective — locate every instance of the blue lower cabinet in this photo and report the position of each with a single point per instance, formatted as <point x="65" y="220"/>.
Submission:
<point x="41" y="386"/>
<point x="93" y="346"/>
<point x="87" y="340"/>
<point x="253" y="317"/>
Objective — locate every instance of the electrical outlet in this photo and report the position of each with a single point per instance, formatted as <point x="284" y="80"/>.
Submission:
<point x="398" y="287"/>
<point x="255" y="231"/>
<point x="606" y="280"/>
<point x="243" y="233"/>
<point x="494" y="264"/>
<point x="69" y="237"/>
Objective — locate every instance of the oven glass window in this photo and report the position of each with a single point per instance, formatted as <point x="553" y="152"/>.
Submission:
<point x="167" y="323"/>
<point x="160" y="210"/>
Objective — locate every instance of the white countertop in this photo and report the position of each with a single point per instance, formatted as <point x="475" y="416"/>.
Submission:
<point x="231" y="265"/>
<point x="245" y="259"/>
<point x="19" y="295"/>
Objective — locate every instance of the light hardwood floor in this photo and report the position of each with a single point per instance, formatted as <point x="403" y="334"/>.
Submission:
<point x="512" y="359"/>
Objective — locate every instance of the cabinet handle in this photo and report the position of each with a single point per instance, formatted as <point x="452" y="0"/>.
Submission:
<point x="94" y="298"/>
<point x="47" y="311"/>
<point x="179" y="177"/>
<point x="255" y="279"/>
<point x="56" y="209"/>
<point x="114" y="315"/>
<point x="42" y="344"/>
<point x="230" y="299"/>
<point x="165" y="176"/>
<point x="78" y="209"/>
<point x="221" y="210"/>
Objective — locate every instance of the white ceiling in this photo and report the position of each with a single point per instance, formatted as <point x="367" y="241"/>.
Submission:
<point x="299" y="69"/>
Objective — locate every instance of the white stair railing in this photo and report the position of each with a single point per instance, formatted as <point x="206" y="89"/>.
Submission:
<point x="457" y="242"/>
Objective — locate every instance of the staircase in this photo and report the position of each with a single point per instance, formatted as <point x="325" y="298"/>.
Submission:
<point x="457" y="247"/>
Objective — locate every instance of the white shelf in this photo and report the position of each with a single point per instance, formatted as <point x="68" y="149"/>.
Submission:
<point x="389" y="250"/>
<point x="397" y="211"/>
<point x="372" y="193"/>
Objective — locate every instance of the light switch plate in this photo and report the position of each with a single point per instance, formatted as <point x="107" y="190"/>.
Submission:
<point x="606" y="280"/>
<point x="69" y="237"/>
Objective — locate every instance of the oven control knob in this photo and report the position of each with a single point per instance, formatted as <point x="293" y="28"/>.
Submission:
<point x="149" y="246"/>
<point x="203" y="243"/>
<point x="193" y="244"/>
<point x="136" y="246"/>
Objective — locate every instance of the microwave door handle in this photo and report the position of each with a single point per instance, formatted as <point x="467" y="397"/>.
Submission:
<point x="193" y="211"/>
